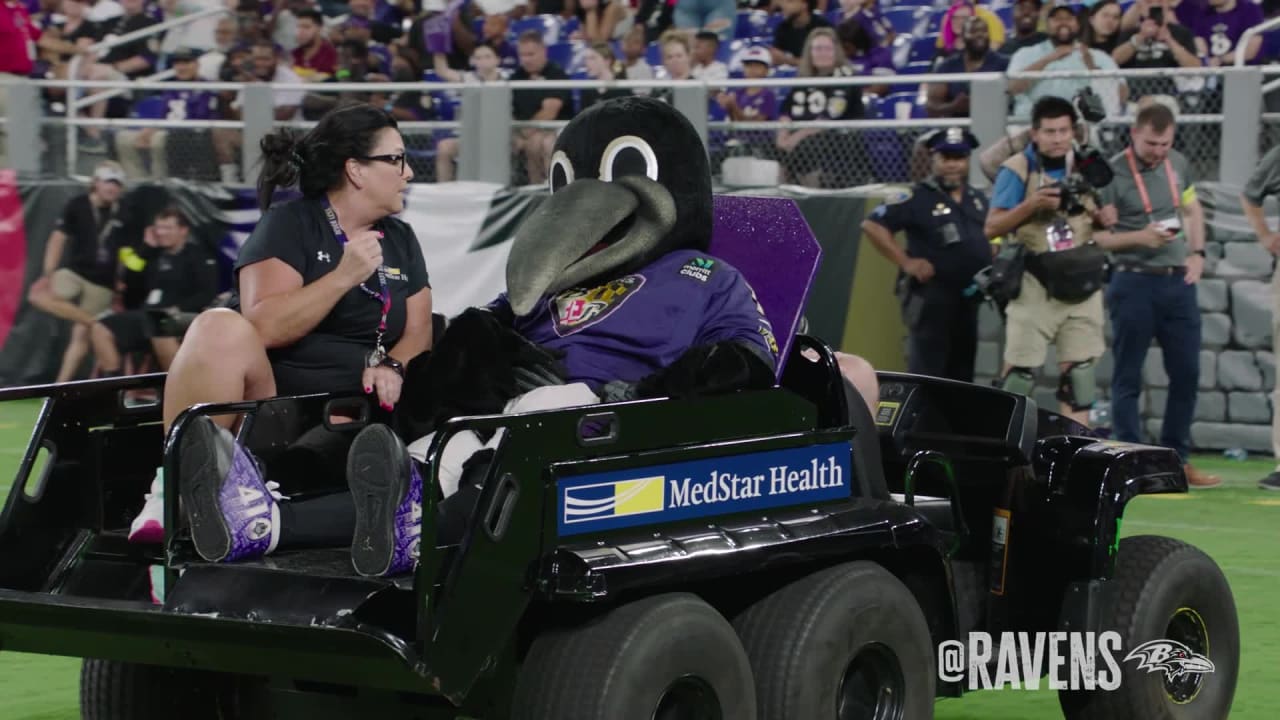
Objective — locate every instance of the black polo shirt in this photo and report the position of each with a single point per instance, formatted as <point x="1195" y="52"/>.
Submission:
<point x="186" y="279"/>
<point x="946" y="233"/>
<point x="526" y="103"/>
<point x="91" y="247"/>
<point x="790" y="39"/>
<point x="124" y="25"/>
<point x="331" y="358"/>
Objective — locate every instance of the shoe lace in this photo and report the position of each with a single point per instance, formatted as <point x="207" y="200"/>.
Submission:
<point x="274" y="488"/>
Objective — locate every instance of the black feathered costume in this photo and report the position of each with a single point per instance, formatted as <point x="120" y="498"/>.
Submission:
<point x="609" y="283"/>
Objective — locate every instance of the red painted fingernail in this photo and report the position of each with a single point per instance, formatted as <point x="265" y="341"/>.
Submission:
<point x="368" y="390"/>
<point x="380" y="235"/>
<point x="385" y="406"/>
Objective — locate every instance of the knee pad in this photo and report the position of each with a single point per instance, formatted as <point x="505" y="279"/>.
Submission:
<point x="1078" y="387"/>
<point x="1019" y="380"/>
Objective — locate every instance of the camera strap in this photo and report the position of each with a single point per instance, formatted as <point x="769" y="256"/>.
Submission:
<point x="1142" y="186"/>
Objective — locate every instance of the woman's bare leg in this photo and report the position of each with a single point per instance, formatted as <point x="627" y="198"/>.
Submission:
<point x="221" y="360"/>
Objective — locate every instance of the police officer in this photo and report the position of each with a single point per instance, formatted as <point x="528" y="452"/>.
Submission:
<point x="1158" y="245"/>
<point x="942" y="218"/>
<point x="1042" y="203"/>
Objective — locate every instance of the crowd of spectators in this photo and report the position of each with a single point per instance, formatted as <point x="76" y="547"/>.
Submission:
<point x="477" y="41"/>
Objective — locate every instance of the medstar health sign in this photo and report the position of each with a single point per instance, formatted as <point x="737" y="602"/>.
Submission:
<point x="700" y="488"/>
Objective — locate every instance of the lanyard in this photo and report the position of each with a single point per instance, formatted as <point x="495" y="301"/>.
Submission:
<point x="1142" y="186"/>
<point x="384" y="296"/>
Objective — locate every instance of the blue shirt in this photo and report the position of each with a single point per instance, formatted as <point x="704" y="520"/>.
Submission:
<point x="1011" y="190"/>
<point x="632" y="326"/>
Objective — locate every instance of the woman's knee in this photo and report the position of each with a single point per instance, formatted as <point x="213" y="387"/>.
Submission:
<point x="223" y="333"/>
<point x="863" y="376"/>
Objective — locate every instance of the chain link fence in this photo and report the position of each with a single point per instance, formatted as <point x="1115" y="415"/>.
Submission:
<point x="1198" y="138"/>
<point x="1269" y="137"/>
<point x="818" y="155"/>
<point x="827" y="154"/>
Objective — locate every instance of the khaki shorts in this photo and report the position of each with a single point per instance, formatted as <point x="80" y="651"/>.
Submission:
<point x="1034" y="320"/>
<point x="93" y="299"/>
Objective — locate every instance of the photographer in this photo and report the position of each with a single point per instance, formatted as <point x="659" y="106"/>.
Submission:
<point x="1045" y="202"/>
<point x="1157" y="239"/>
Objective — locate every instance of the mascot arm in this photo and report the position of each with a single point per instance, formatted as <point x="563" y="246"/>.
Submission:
<point x="710" y="369"/>
<point x="477" y="365"/>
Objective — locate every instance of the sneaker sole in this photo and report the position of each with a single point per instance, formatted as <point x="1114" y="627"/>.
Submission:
<point x="203" y="473"/>
<point x="1265" y="486"/>
<point x="378" y="474"/>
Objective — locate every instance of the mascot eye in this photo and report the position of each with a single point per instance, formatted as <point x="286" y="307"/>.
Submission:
<point x="628" y="155"/>
<point x="561" y="171"/>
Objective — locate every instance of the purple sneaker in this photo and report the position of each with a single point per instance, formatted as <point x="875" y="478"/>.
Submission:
<point x="232" y="510"/>
<point x="387" y="491"/>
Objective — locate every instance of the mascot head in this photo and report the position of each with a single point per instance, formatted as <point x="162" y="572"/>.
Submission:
<point x="630" y="182"/>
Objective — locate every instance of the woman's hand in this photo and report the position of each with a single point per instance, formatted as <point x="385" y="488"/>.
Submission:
<point x="386" y="382"/>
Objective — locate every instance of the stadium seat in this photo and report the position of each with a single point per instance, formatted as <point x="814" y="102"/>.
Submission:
<point x="916" y="68"/>
<point x="149" y="108"/>
<point x="751" y="24"/>
<point x="928" y="21"/>
<point x="653" y="54"/>
<point x="568" y="28"/>
<point x="923" y="49"/>
<point x="563" y="54"/>
<point x="888" y="106"/>
<point x="903" y="19"/>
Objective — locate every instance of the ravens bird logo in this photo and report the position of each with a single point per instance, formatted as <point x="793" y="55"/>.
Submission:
<point x="1171" y="656"/>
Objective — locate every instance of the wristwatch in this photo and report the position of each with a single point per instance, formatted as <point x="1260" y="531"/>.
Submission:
<point x="394" y="364"/>
<point x="1199" y="252"/>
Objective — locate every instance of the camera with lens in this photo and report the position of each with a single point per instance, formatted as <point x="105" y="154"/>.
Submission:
<point x="1091" y="172"/>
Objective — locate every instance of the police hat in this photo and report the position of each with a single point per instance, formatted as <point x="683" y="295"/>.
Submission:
<point x="955" y="140"/>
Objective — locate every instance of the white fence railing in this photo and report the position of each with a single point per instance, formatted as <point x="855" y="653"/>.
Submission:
<point x="485" y="151"/>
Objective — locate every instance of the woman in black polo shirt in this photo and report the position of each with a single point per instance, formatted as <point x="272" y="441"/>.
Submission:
<point x="333" y="290"/>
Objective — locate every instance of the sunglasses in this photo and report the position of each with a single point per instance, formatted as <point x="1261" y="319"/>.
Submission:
<point x="395" y="159"/>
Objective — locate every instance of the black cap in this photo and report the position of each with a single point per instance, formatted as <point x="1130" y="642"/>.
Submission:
<point x="955" y="140"/>
<point x="1062" y="5"/>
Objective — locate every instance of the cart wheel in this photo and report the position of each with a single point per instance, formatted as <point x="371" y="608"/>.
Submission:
<point x="847" y="643"/>
<point x="1167" y="590"/>
<point x="667" y="657"/>
<point x="112" y="690"/>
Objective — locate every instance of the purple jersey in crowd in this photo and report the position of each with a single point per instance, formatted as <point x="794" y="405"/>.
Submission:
<point x="190" y="105"/>
<point x="877" y="28"/>
<point x="635" y="325"/>
<point x="1220" y="31"/>
<point x="763" y="105"/>
<point x="878" y="58"/>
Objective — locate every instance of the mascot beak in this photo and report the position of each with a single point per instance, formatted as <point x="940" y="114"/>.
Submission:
<point x="587" y="228"/>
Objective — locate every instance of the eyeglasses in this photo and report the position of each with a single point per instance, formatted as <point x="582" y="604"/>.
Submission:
<point x="395" y="159"/>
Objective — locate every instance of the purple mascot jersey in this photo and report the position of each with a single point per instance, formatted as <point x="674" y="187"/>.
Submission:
<point x="635" y="325"/>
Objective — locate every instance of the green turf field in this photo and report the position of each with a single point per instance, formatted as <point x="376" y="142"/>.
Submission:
<point x="1238" y="525"/>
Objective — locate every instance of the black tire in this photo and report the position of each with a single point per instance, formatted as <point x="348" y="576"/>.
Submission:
<point x="1166" y="589"/>
<point x="846" y="643"/>
<point x="667" y="657"/>
<point x="112" y="690"/>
